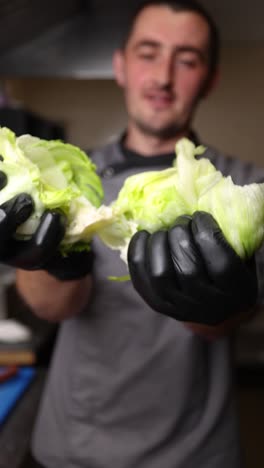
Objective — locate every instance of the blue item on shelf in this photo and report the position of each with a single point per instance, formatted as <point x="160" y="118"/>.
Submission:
<point x="12" y="389"/>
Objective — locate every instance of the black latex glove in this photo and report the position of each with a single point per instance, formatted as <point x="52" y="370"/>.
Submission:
<point x="41" y="250"/>
<point x="191" y="273"/>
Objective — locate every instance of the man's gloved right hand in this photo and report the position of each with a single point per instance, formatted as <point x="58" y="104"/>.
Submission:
<point x="190" y="272"/>
<point x="41" y="251"/>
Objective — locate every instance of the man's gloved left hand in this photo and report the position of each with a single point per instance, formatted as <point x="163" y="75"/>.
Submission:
<point x="41" y="251"/>
<point x="191" y="273"/>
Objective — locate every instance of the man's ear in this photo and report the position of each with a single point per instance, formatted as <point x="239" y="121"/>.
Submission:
<point x="118" y="67"/>
<point x="211" y="84"/>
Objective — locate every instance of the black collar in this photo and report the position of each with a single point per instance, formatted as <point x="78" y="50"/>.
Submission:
<point x="134" y="158"/>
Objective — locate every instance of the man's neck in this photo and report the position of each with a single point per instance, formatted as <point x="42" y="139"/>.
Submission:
<point x="148" y="145"/>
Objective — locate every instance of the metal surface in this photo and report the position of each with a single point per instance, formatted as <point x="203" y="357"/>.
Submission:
<point x="80" y="46"/>
<point x="75" y="39"/>
<point x="77" y="48"/>
<point x="24" y="20"/>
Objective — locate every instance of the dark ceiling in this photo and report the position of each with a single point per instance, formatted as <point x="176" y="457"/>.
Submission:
<point x="60" y="37"/>
<point x="76" y="38"/>
<point x="23" y="20"/>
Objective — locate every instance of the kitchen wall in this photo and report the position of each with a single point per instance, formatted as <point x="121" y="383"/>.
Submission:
<point x="231" y="119"/>
<point x="93" y="111"/>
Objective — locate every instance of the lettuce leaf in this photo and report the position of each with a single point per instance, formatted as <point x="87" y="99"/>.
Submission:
<point x="58" y="176"/>
<point x="153" y="200"/>
<point x="61" y="176"/>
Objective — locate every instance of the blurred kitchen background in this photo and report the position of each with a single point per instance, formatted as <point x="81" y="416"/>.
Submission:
<point x="56" y="81"/>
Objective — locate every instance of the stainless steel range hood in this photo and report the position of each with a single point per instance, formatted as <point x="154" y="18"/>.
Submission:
<point x="76" y="38"/>
<point x="78" y="43"/>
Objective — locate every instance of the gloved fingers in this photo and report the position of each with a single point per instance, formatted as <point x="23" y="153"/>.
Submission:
<point x="190" y="270"/>
<point x="3" y="178"/>
<point x="35" y="252"/>
<point x="186" y="258"/>
<point x="177" y="275"/>
<point x="137" y="263"/>
<point x="159" y="261"/>
<point x="71" y="266"/>
<point x="13" y="213"/>
<point x="226" y="270"/>
<point x="170" y="272"/>
<point x="18" y="209"/>
<point x="138" y="259"/>
<point x="50" y="231"/>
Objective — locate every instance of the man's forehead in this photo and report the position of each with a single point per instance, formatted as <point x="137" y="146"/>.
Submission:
<point x="163" y="24"/>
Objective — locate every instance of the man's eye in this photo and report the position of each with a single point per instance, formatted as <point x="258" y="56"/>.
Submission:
<point x="187" y="62"/>
<point x="146" y="56"/>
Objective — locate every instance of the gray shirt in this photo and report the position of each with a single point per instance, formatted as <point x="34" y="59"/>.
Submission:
<point x="128" y="387"/>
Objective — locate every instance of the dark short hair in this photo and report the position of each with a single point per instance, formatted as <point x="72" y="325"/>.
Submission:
<point x="182" y="5"/>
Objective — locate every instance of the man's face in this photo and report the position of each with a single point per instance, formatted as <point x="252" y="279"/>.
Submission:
<point x="164" y="70"/>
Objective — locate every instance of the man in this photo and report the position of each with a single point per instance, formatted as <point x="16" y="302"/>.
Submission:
<point x="130" y="386"/>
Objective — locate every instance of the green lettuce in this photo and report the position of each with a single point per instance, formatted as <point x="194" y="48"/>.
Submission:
<point x="61" y="176"/>
<point x="58" y="176"/>
<point x="153" y="200"/>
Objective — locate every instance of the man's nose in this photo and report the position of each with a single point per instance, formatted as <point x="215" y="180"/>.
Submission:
<point x="165" y="72"/>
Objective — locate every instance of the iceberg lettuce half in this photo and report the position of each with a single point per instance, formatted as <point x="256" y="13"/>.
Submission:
<point x="153" y="200"/>
<point x="58" y="176"/>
